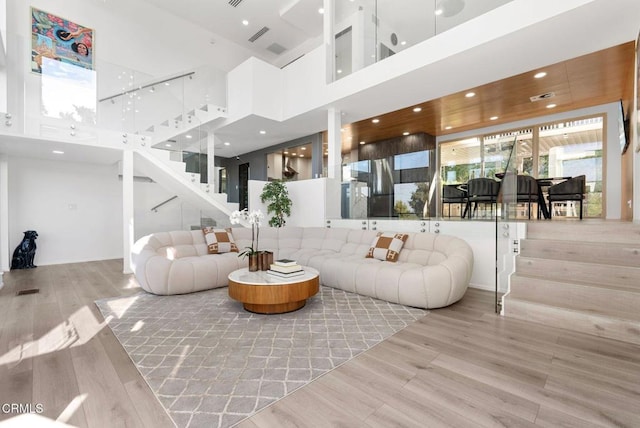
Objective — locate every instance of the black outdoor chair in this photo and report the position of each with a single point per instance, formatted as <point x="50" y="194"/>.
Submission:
<point x="482" y="190"/>
<point x="453" y="194"/>
<point x="573" y="189"/>
<point x="527" y="191"/>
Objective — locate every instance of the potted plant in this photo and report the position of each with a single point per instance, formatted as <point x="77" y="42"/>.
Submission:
<point x="276" y="195"/>
<point x="255" y="220"/>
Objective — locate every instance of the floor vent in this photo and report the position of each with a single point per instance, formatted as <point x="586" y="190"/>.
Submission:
<point x="28" y="291"/>
<point x="235" y="3"/>
<point x="259" y="34"/>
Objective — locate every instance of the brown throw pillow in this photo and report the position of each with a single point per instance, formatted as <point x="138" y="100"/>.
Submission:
<point x="387" y="246"/>
<point x="219" y="241"/>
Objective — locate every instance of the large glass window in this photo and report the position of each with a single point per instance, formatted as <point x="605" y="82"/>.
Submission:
<point x="556" y="151"/>
<point x="569" y="149"/>
<point x="394" y="186"/>
<point x="460" y="161"/>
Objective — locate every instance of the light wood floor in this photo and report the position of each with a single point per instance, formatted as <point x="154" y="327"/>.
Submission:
<point x="459" y="366"/>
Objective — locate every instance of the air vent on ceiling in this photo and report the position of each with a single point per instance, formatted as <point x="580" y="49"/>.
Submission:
<point x="542" y="97"/>
<point x="276" y="48"/>
<point x="259" y="34"/>
<point x="235" y="3"/>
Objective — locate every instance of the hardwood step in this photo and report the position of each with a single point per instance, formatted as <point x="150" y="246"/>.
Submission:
<point x="585" y="322"/>
<point x="620" y="254"/>
<point x="616" y="301"/>
<point x="591" y="273"/>
<point x="585" y="231"/>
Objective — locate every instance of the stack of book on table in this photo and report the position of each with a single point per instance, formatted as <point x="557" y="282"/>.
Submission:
<point x="285" y="268"/>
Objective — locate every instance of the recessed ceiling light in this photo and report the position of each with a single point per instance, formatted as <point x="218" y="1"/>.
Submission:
<point x="245" y="22"/>
<point x="168" y="145"/>
<point x="301" y="155"/>
<point x="493" y="118"/>
<point x="166" y="83"/>
<point x="339" y="71"/>
<point x="321" y="10"/>
<point x="343" y="130"/>
<point x="540" y="75"/>
<point x="551" y="105"/>
<point x="58" y="152"/>
<point x="285" y="152"/>
<point x="361" y="143"/>
<point x="405" y="133"/>
<point x="438" y="12"/>
<point x="404" y="42"/>
<point x="226" y="143"/>
<point x="417" y="109"/>
<point x="189" y="136"/>
<point x="326" y="153"/>
<point x="375" y="121"/>
<point x="263" y="132"/>
<point x="448" y="127"/>
<point x="293" y="154"/>
<point x="303" y="148"/>
<point x="470" y="94"/>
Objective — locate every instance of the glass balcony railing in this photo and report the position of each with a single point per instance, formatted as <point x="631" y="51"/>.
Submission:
<point x="111" y="104"/>
<point x="368" y="31"/>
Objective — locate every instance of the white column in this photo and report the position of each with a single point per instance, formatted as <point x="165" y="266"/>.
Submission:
<point x="127" y="209"/>
<point x="211" y="169"/>
<point x="335" y="143"/>
<point x="4" y="214"/>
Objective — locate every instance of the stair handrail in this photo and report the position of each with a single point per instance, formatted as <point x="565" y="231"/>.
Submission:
<point x="148" y="85"/>
<point x="155" y="209"/>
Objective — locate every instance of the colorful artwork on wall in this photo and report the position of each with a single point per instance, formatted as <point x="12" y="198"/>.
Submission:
<point x="59" y="39"/>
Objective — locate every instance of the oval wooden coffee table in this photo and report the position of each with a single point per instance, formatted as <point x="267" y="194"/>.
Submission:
<point x="269" y="294"/>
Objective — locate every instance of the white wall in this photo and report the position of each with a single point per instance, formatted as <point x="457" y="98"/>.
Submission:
<point x="308" y="201"/>
<point x="174" y="215"/>
<point x="76" y="209"/>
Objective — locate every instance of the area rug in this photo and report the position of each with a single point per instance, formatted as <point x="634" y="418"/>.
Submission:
<point x="212" y="364"/>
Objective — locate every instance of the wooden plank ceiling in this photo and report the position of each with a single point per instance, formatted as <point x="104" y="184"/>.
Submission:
<point x="597" y="78"/>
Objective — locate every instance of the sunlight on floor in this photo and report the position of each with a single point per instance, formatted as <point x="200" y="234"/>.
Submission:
<point x="72" y="408"/>
<point x="81" y="326"/>
<point x="120" y="306"/>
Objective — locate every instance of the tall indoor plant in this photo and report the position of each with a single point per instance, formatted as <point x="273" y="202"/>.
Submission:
<point x="276" y="195"/>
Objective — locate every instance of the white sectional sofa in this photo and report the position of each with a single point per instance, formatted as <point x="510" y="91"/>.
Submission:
<point x="432" y="270"/>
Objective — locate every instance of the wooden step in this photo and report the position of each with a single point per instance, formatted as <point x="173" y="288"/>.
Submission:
<point x="585" y="231"/>
<point x="620" y="254"/>
<point x="606" y="299"/>
<point x="585" y="322"/>
<point x="568" y="271"/>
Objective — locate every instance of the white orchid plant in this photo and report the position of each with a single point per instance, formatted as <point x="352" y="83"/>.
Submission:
<point x="254" y="218"/>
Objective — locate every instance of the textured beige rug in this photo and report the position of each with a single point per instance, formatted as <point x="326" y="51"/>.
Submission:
<point x="212" y="364"/>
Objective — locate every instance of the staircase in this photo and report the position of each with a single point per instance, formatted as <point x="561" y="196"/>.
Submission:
<point x="167" y="168"/>
<point x="579" y="275"/>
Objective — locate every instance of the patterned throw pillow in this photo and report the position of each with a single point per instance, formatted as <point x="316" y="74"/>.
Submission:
<point x="387" y="246"/>
<point x="219" y="241"/>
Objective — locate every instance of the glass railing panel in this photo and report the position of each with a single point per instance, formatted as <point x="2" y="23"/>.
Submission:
<point x="63" y="101"/>
<point x="451" y="13"/>
<point x="508" y="206"/>
<point x="400" y="187"/>
<point x="368" y="31"/>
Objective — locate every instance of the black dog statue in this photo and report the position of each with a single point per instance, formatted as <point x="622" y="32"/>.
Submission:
<point x="25" y="252"/>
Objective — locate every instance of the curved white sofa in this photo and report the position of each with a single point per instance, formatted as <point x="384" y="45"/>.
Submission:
<point x="432" y="270"/>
